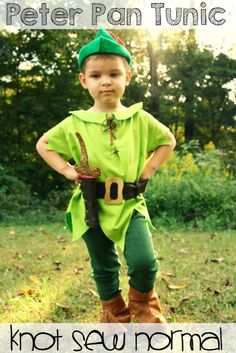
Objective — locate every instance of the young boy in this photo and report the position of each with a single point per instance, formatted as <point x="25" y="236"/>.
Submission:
<point x="115" y="141"/>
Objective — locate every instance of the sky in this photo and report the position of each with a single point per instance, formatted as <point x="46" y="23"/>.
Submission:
<point x="222" y="39"/>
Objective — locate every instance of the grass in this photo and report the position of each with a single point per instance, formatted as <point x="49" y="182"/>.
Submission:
<point x="44" y="277"/>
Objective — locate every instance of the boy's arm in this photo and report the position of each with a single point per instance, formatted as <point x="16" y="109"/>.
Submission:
<point x="158" y="157"/>
<point x="55" y="160"/>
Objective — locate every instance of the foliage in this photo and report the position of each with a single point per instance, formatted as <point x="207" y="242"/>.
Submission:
<point x="193" y="190"/>
<point x="14" y="194"/>
<point x="17" y="202"/>
<point x="192" y="146"/>
<point x="39" y="86"/>
<point x="194" y="89"/>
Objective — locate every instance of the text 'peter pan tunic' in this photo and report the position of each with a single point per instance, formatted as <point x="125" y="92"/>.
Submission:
<point x="136" y="134"/>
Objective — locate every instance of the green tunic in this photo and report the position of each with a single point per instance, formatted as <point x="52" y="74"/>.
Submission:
<point x="137" y="133"/>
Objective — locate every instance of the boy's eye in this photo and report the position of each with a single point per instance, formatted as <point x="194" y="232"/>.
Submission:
<point x="114" y="74"/>
<point x="94" y="75"/>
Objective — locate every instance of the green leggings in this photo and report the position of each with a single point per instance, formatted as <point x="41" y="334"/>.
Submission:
<point x="138" y="252"/>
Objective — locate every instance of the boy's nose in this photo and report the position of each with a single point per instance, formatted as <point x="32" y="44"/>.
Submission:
<point x="106" y="81"/>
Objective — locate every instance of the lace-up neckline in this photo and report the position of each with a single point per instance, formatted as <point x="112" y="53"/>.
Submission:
<point x="111" y="126"/>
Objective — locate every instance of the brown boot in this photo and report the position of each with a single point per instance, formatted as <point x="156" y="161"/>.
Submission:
<point x="145" y="307"/>
<point x="115" y="310"/>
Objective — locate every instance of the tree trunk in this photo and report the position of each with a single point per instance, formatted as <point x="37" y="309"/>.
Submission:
<point x="154" y="107"/>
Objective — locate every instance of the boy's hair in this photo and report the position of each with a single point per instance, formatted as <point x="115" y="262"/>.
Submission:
<point x="96" y="56"/>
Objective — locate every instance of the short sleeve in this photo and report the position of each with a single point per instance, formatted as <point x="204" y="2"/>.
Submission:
<point x="157" y="134"/>
<point x="58" y="140"/>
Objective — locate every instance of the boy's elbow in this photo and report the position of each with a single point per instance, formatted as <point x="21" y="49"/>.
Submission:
<point x="172" y="140"/>
<point x="173" y="143"/>
<point x="37" y="146"/>
<point x="41" y="144"/>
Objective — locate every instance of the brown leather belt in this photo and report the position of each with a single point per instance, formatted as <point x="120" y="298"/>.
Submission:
<point x="114" y="190"/>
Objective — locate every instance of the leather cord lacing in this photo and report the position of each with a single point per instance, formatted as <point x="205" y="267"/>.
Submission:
<point x="111" y="126"/>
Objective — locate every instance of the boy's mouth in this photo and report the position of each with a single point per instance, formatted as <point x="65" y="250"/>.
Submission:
<point x="107" y="91"/>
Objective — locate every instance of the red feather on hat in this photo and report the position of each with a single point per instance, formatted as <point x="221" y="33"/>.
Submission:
<point x="120" y="41"/>
<point x="117" y="38"/>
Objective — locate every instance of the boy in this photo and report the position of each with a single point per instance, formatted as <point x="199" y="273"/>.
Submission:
<point x="113" y="140"/>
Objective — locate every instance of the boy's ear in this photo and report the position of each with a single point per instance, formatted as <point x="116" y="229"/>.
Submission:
<point x="82" y="80"/>
<point x="128" y="77"/>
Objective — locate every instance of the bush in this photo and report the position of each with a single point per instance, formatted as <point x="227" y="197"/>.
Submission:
<point x="14" y="195"/>
<point x="193" y="190"/>
<point x="17" y="203"/>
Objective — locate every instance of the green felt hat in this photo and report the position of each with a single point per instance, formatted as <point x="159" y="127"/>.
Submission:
<point x="104" y="43"/>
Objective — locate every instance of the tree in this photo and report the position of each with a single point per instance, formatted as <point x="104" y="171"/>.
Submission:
<point x="183" y="86"/>
<point x="39" y="86"/>
<point x="193" y="90"/>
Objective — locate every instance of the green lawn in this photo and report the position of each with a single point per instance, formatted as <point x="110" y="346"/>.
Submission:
<point x="44" y="277"/>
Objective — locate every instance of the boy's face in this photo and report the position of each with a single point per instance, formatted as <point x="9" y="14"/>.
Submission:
<point x="105" y="77"/>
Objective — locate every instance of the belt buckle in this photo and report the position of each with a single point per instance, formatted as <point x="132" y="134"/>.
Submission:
<point x="108" y="183"/>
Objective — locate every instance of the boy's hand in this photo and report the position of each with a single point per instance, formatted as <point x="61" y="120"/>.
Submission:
<point x="146" y="174"/>
<point x="158" y="157"/>
<point x="56" y="161"/>
<point x="155" y="160"/>
<point x="70" y="173"/>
